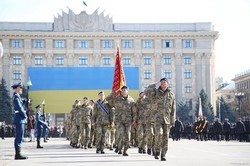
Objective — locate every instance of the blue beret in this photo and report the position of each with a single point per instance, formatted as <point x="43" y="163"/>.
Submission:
<point x="17" y="85"/>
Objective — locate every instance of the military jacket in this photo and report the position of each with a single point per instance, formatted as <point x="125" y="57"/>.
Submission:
<point x="86" y="112"/>
<point x="165" y="110"/>
<point x="125" y="109"/>
<point x="100" y="117"/>
<point x="20" y="114"/>
<point x="141" y="111"/>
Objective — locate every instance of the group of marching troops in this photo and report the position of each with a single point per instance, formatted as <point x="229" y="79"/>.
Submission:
<point x="110" y="121"/>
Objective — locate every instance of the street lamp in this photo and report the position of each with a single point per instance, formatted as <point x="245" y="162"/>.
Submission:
<point x="28" y="105"/>
<point x="239" y="96"/>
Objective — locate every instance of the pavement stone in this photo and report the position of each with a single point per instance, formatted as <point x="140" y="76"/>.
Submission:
<point x="57" y="152"/>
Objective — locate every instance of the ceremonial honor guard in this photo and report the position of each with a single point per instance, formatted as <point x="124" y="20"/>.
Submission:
<point x="40" y="124"/>
<point x="20" y="119"/>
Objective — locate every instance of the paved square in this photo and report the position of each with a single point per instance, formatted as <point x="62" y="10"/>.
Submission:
<point x="57" y="152"/>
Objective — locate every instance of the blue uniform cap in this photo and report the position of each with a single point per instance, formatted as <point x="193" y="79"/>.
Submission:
<point x="17" y="85"/>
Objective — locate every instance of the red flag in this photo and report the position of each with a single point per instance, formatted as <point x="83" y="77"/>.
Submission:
<point x="119" y="77"/>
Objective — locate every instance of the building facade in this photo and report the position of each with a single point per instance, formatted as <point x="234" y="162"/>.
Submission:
<point x="182" y="52"/>
<point x="242" y="92"/>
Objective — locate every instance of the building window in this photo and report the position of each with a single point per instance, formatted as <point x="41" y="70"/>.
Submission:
<point x="17" y="44"/>
<point x="188" y="88"/>
<point x="167" y="44"/>
<point x="106" y="60"/>
<point x="38" y="44"/>
<point x="187" y="43"/>
<point x="59" y="60"/>
<point x="126" y="60"/>
<point x="166" y="60"/>
<point x="147" y="60"/>
<point x="187" y="60"/>
<point x="106" y="44"/>
<point x="168" y="74"/>
<point x="147" y="44"/>
<point x="17" y="60"/>
<point x="127" y="43"/>
<point x="83" y="60"/>
<point x="187" y="74"/>
<point x="83" y="44"/>
<point x="59" y="44"/>
<point x="147" y="74"/>
<point x="17" y="75"/>
<point x="38" y="60"/>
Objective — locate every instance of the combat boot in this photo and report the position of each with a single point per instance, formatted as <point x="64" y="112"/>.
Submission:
<point x="116" y="150"/>
<point x="143" y="151"/>
<point x="97" y="151"/>
<point x="140" y="150"/>
<point x="38" y="145"/>
<point x="102" y="152"/>
<point x="125" y="153"/>
<point x="157" y="155"/>
<point x="163" y="158"/>
<point x="120" y="152"/>
<point x="149" y="151"/>
<point x="18" y="155"/>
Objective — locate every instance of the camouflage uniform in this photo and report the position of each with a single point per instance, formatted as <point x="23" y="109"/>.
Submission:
<point x="125" y="113"/>
<point x="85" y="124"/>
<point x="164" y="118"/>
<point x="149" y="107"/>
<point x="101" y="121"/>
<point x="141" y="125"/>
<point x="75" y="130"/>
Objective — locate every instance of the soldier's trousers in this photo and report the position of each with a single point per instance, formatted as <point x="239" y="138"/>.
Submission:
<point x="161" y="138"/>
<point x="112" y="136"/>
<point x="85" y="133"/>
<point x="150" y="132"/>
<point x="100" y="136"/>
<point x="123" y="131"/>
<point x="75" y="134"/>
<point x="142" y="139"/>
<point x="133" y="136"/>
<point x="19" y="135"/>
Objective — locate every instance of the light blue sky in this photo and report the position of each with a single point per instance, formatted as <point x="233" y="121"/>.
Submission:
<point x="230" y="17"/>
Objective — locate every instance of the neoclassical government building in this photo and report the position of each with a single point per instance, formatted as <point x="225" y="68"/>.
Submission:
<point x="74" y="56"/>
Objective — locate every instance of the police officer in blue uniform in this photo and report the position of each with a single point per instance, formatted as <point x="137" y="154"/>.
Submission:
<point x="40" y="124"/>
<point x="20" y="119"/>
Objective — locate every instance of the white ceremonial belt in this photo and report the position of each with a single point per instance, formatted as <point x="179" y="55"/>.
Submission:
<point x="16" y="112"/>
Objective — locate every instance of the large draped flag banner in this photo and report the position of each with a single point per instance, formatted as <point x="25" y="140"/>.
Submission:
<point x="119" y="77"/>
<point x="200" y="109"/>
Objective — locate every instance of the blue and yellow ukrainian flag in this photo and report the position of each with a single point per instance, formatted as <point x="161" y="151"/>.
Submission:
<point x="61" y="86"/>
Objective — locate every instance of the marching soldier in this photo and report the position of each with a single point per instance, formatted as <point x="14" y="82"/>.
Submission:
<point x="102" y="118"/>
<point x="20" y="119"/>
<point x="164" y="116"/>
<point x="75" y="128"/>
<point x="141" y="123"/>
<point x="86" y="112"/>
<point x="125" y="114"/>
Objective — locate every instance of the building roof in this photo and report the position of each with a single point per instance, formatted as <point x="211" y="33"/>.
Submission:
<point x="227" y="86"/>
